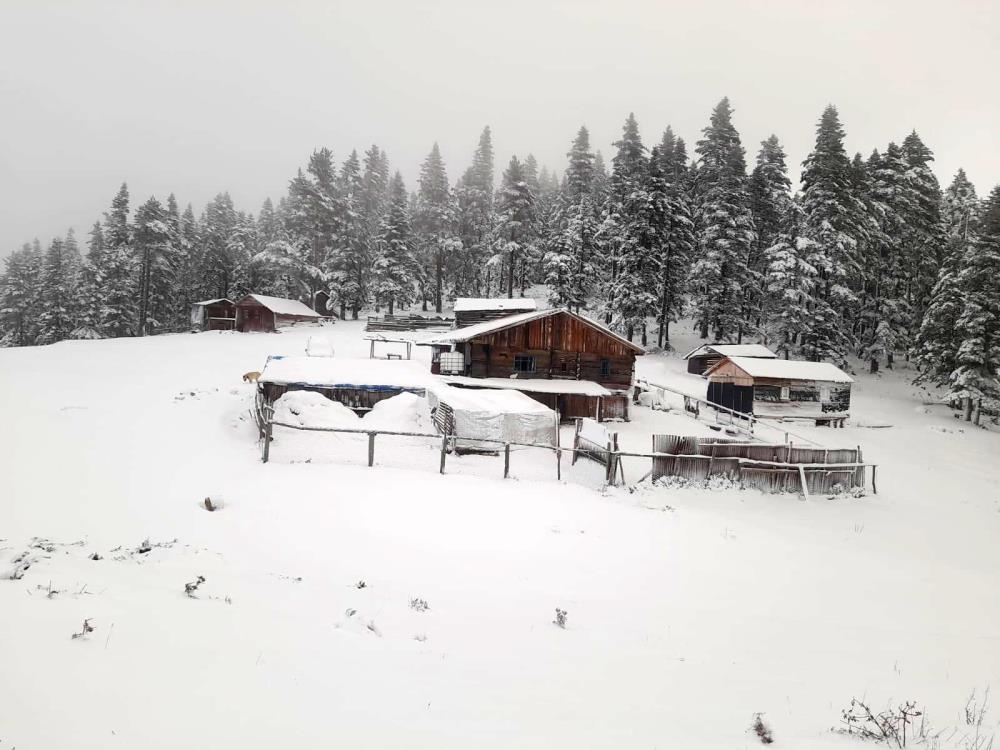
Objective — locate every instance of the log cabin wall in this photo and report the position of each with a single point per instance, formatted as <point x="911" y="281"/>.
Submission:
<point x="563" y="348"/>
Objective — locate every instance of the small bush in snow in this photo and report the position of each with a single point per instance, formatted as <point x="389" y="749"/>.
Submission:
<point x="87" y="628"/>
<point x="419" y="605"/>
<point x="191" y="588"/>
<point x="360" y="585"/>
<point x="560" y="618"/>
<point x="894" y="726"/>
<point x="762" y="730"/>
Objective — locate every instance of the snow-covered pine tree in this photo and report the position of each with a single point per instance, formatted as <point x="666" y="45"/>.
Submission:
<point x="87" y="317"/>
<point x="474" y="213"/>
<point x="435" y="227"/>
<point x="19" y="296"/>
<point x="395" y="266"/>
<point x="835" y="221"/>
<point x="976" y="379"/>
<point x="938" y="342"/>
<point x="513" y="235"/>
<point x="770" y="198"/>
<point x="117" y="274"/>
<point x="156" y="264"/>
<point x="725" y="230"/>
<point x="789" y="282"/>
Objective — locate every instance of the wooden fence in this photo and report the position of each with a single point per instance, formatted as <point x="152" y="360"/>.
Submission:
<point x="779" y="467"/>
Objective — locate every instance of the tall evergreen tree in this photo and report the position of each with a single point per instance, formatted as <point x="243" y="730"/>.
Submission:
<point x="770" y="200"/>
<point x="117" y="311"/>
<point x="19" y="296"/>
<point x="435" y="226"/>
<point x="514" y="223"/>
<point x="395" y="266"/>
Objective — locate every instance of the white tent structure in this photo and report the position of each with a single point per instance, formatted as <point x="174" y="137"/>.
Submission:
<point x="504" y="416"/>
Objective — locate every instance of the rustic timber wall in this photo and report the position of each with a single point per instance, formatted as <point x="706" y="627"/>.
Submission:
<point x="724" y="459"/>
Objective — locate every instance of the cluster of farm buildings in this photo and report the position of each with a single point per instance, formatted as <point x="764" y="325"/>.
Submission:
<point x="505" y="356"/>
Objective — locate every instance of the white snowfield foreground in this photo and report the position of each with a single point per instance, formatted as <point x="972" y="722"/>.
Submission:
<point x="688" y="611"/>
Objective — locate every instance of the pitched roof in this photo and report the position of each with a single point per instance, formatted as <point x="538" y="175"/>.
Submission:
<point x="213" y="301"/>
<point x="466" y="304"/>
<point x="283" y="306"/>
<point x="786" y="369"/>
<point x="732" y="350"/>
<point x="461" y="335"/>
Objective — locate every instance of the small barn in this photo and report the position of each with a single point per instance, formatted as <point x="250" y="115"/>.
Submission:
<point x="700" y="360"/>
<point x="567" y="362"/>
<point x="258" y="312"/>
<point x="781" y="388"/>
<point x="358" y="384"/>
<point x="213" y="315"/>
<point x="472" y="310"/>
<point x="503" y="416"/>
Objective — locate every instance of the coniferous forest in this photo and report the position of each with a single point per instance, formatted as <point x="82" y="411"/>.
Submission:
<point x="870" y="258"/>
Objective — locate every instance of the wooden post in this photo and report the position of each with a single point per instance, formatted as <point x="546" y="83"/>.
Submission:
<point x="805" y="484"/>
<point x="371" y="448"/>
<point x="597" y="411"/>
<point x="874" y="487"/>
<point x="444" y="451"/>
<point x="268" y="426"/>
<point x="371" y="353"/>
<point x="409" y="346"/>
<point x="711" y="459"/>
<point x="558" y="463"/>
<point x="576" y="441"/>
<point x="506" y="460"/>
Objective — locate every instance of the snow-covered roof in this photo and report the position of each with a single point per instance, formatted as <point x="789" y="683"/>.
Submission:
<point x="786" y="369"/>
<point x="282" y="306"/>
<point x="466" y="304"/>
<point x="488" y="400"/>
<point x="468" y="333"/>
<point x="532" y="385"/>
<point x="213" y="301"/>
<point x="732" y="350"/>
<point x="333" y="372"/>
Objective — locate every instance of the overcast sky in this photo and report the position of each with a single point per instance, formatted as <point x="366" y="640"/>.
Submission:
<point x="204" y="96"/>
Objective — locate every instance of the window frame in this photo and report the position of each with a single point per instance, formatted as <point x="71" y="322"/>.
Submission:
<point x="520" y="358"/>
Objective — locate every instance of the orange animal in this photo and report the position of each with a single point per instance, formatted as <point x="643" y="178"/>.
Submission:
<point x="251" y="377"/>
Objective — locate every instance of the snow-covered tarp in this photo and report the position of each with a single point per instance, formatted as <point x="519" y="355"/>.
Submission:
<point x="330" y="372"/>
<point x="507" y="416"/>
<point x="733" y="350"/>
<point x="282" y="306"/>
<point x="533" y="385"/>
<point x="789" y="369"/>
<point x="467" y="304"/>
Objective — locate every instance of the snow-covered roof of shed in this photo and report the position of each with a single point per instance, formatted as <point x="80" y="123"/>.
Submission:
<point x="498" y="401"/>
<point x="333" y="372"/>
<point x="283" y="306"/>
<point x="466" y="304"/>
<point x="460" y="335"/>
<point x="532" y="385"/>
<point x="213" y="301"/>
<point x="732" y="350"/>
<point x="786" y="369"/>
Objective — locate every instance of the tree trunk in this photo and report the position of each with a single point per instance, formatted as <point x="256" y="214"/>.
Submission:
<point x="438" y="280"/>
<point x="873" y="365"/>
<point x="979" y="408"/>
<point x="390" y="305"/>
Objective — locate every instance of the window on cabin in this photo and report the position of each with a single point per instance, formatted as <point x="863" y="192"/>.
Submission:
<point x="524" y="363"/>
<point x="605" y="367"/>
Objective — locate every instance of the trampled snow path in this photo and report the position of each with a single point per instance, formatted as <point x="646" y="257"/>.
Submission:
<point x="689" y="610"/>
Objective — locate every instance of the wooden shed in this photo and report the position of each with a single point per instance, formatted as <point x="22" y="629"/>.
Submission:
<point x="358" y="384"/>
<point x="700" y="360"/>
<point x="562" y="359"/>
<point x="472" y="310"/>
<point x="258" y="312"/>
<point x="781" y="388"/>
<point x="213" y="315"/>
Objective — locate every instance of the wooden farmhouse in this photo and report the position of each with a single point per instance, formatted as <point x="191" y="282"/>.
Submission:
<point x="571" y="364"/>
<point x="213" y="315"/>
<point x="258" y="312"/>
<point x="472" y="310"/>
<point x="781" y="388"/>
<point x="705" y="356"/>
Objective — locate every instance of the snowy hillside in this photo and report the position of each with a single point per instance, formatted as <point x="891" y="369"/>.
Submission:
<point x="689" y="610"/>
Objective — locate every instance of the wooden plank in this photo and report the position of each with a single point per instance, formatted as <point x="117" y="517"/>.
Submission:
<point x="444" y="451"/>
<point x="805" y="483"/>
<point x="371" y="448"/>
<point x="506" y="460"/>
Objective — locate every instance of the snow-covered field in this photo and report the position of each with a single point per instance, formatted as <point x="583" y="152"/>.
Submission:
<point x="688" y="610"/>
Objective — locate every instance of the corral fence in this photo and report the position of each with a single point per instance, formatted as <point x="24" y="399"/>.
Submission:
<point x="778" y="467"/>
<point x="781" y="467"/>
<point x="406" y="323"/>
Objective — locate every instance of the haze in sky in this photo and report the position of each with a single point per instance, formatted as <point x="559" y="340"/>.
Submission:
<point x="201" y="97"/>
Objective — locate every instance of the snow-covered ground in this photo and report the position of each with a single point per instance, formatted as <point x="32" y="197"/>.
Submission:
<point x="688" y="610"/>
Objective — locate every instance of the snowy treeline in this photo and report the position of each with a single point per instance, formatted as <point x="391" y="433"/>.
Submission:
<point x="870" y="258"/>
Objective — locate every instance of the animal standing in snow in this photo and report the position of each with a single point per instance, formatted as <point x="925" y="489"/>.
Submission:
<point x="251" y="377"/>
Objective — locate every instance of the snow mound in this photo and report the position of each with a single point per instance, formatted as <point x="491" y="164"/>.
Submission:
<point x="310" y="409"/>
<point x="405" y="412"/>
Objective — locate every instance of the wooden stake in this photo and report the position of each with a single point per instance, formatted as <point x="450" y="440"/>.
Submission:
<point x="506" y="460"/>
<point x="805" y="484"/>
<point x="444" y="451"/>
<point x="371" y="448"/>
<point x="268" y="426"/>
